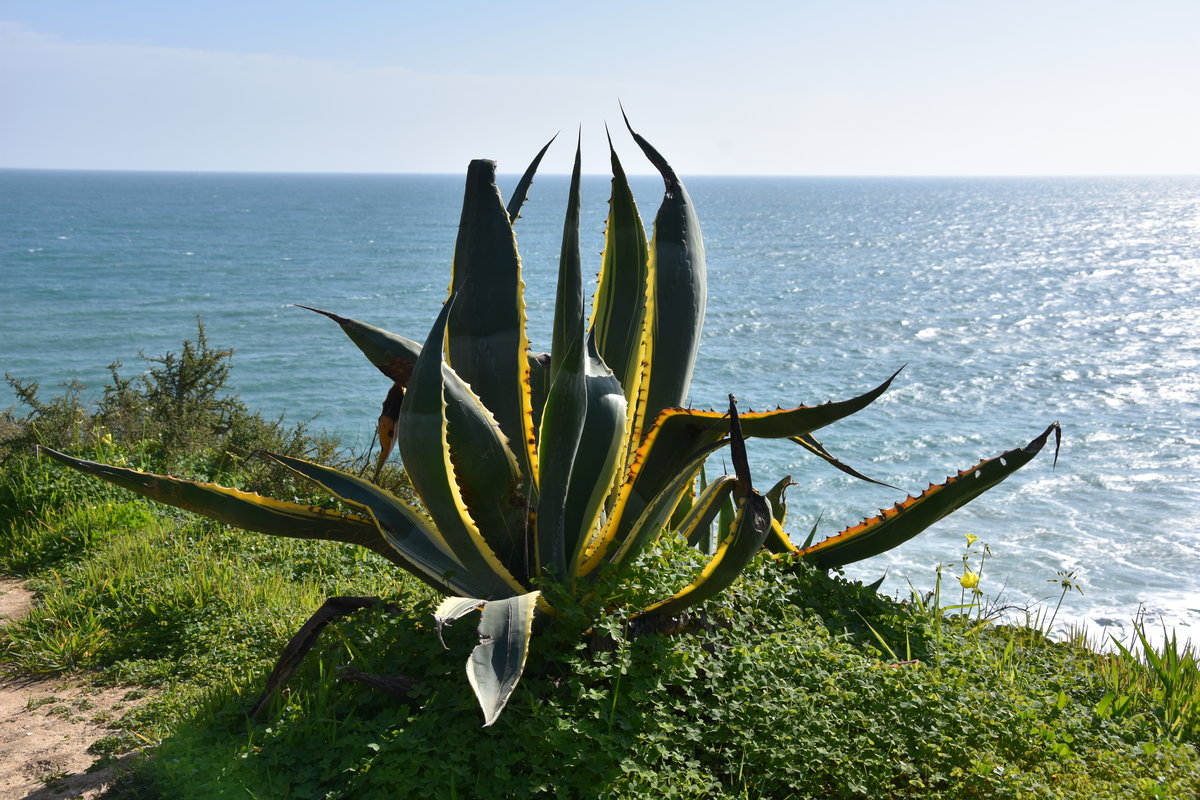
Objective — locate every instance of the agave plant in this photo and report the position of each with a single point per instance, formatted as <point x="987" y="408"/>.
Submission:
<point x="534" y="468"/>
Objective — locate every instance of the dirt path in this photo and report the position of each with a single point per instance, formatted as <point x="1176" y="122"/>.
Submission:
<point x="47" y="725"/>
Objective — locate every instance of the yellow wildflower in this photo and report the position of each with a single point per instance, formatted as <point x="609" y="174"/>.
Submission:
<point x="969" y="579"/>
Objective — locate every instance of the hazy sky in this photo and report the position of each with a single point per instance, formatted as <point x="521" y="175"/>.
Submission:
<point x="844" y="87"/>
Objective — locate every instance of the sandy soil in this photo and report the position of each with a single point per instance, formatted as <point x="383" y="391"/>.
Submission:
<point x="47" y="725"/>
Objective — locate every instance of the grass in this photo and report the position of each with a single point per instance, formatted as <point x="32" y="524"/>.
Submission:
<point x="792" y="684"/>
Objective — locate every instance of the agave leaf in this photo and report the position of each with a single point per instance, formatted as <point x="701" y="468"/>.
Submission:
<point x="491" y="478"/>
<point x="385" y="428"/>
<point x="539" y="385"/>
<point x="566" y="404"/>
<point x="676" y="270"/>
<point x="244" y="510"/>
<point x="705" y="538"/>
<point x="487" y="470"/>
<point x="558" y="444"/>
<point x="737" y="447"/>
<point x="518" y="196"/>
<point x="486" y="342"/>
<point x="428" y="555"/>
<point x="678" y="434"/>
<point x="686" y="500"/>
<point x="425" y="450"/>
<point x="803" y="420"/>
<point x="620" y="540"/>
<point x="696" y="526"/>
<point x="392" y="354"/>
<point x="619" y="306"/>
<point x="488" y="475"/>
<point x="749" y="530"/>
<point x="809" y="443"/>
<point x="726" y="517"/>
<point x="778" y="502"/>
<point x="597" y="459"/>
<point x="567" y="335"/>
<point x="777" y="540"/>
<point x="453" y="608"/>
<point x="496" y="663"/>
<point x="906" y="519"/>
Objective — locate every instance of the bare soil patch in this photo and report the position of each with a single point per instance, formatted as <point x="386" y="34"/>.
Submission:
<point x="47" y="725"/>
<point x="15" y="600"/>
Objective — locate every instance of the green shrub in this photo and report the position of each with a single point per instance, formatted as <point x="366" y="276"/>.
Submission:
<point x="179" y="416"/>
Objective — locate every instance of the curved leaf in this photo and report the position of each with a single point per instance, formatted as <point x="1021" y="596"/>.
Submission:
<point x="491" y="479"/>
<point x="392" y="354"/>
<point x="696" y="526"/>
<point x="244" y="510"/>
<point x="619" y="305"/>
<point x="619" y="540"/>
<point x="453" y="608"/>
<point x="777" y="540"/>
<point x="539" y="385"/>
<point x="750" y="528"/>
<point x="676" y="270"/>
<point x="597" y="461"/>
<point x="425" y="450"/>
<point x="566" y="403"/>
<point x="496" y="663"/>
<point x="429" y="556"/>
<point x="485" y="334"/>
<point x="705" y="540"/>
<point x="776" y="494"/>
<point x="488" y="476"/>
<point x="678" y="434"/>
<point x="385" y="428"/>
<point x="518" y="196"/>
<point x="809" y="443"/>
<point x="906" y="519"/>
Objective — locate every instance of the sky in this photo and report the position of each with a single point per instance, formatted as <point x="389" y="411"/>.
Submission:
<point x="807" y="87"/>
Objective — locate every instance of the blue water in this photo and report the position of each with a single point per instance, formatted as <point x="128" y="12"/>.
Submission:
<point x="1014" y="303"/>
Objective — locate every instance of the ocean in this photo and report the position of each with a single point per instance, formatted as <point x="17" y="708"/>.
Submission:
<point x="1013" y="302"/>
